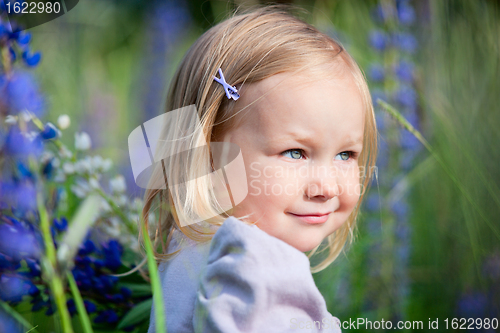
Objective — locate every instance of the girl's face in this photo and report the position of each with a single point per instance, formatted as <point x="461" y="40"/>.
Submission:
<point x="300" y="144"/>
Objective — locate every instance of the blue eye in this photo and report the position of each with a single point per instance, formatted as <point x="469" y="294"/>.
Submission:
<point x="346" y="154"/>
<point x="296" y="154"/>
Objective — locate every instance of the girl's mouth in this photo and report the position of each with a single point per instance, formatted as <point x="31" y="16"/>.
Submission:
<point x="313" y="218"/>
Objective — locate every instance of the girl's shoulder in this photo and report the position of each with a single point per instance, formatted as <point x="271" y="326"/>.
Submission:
<point x="254" y="282"/>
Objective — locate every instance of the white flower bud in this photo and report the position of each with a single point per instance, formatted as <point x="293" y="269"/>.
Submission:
<point x="82" y="141"/>
<point x="118" y="184"/>
<point x="11" y="120"/>
<point x="94" y="183"/>
<point x="63" y="121"/>
<point x="68" y="168"/>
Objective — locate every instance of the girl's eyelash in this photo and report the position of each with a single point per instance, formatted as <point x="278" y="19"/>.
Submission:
<point x="293" y="149"/>
<point x="352" y="154"/>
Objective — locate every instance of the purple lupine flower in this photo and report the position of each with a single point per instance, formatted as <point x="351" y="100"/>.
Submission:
<point x="406" y="96"/>
<point x="402" y="254"/>
<point x="405" y="41"/>
<point x="373" y="202"/>
<point x="61" y="225"/>
<point x="22" y="93"/>
<point x="406" y="13"/>
<point x="126" y="292"/>
<point x="491" y="267"/>
<point x="108" y="316"/>
<point x="404" y="71"/>
<point x="377" y="93"/>
<point x="89" y="306"/>
<point x="382" y="13"/>
<point x="18" y="143"/>
<point x="7" y="322"/>
<point x="13" y="287"/>
<point x="20" y="196"/>
<point x="406" y="159"/>
<point x="378" y="40"/>
<point x="19" y="241"/>
<point x="374" y="227"/>
<point x="400" y="209"/>
<point x="50" y="132"/>
<point x="376" y="72"/>
<point x="472" y="305"/>
<point x="70" y="303"/>
<point x="112" y="252"/>
<point x="408" y="140"/>
<point x="87" y="247"/>
<point x="380" y="120"/>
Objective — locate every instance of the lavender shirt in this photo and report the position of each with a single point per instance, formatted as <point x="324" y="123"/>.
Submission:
<point x="244" y="280"/>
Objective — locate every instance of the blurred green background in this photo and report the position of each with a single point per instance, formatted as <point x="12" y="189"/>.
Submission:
<point x="427" y="247"/>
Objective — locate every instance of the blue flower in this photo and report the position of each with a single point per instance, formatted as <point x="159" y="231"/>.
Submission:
<point x="112" y="252"/>
<point x="406" y="13"/>
<point x="373" y="202"/>
<point x="70" y="303"/>
<point x="408" y="140"/>
<point x="400" y="209"/>
<point x="472" y="305"/>
<point x="406" y="96"/>
<point x="20" y="197"/>
<point x="34" y="267"/>
<point x="7" y="263"/>
<point x="18" y="241"/>
<point x="378" y="40"/>
<point x="380" y="119"/>
<point x="38" y="305"/>
<point x="14" y="287"/>
<point x="50" y="132"/>
<point x="61" y="225"/>
<point x="126" y="292"/>
<point x="31" y="59"/>
<point x="23" y="93"/>
<point x="377" y="93"/>
<point x="50" y="310"/>
<point x="383" y="13"/>
<point x="18" y="144"/>
<point x="86" y="248"/>
<point x="405" y="42"/>
<point x="89" y="306"/>
<point x="376" y="72"/>
<point x="404" y="70"/>
<point x="406" y="159"/>
<point x="24" y="38"/>
<point x="109" y="316"/>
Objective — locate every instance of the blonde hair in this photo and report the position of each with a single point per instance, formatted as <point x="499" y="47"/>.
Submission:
<point x="249" y="47"/>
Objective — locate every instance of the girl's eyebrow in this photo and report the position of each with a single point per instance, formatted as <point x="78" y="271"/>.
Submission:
<point x="350" y="141"/>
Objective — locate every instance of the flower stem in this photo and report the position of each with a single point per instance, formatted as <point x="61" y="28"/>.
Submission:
<point x="49" y="262"/>
<point x="80" y="306"/>
<point x="155" y="282"/>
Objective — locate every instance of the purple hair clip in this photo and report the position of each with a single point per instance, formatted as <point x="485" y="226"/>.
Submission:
<point x="231" y="92"/>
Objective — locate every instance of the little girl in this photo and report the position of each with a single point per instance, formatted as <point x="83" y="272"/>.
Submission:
<point x="298" y="106"/>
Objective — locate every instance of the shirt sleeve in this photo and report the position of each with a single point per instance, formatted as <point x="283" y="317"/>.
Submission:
<point x="254" y="282"/>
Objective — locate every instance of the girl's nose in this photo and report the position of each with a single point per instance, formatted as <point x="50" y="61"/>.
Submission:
<point x="322" y="187"/>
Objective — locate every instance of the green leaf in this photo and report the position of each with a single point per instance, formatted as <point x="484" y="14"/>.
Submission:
<point x="18" y="317"/>
<point x="80" y="305"/>
<point x="137" y="314"/>
<point x="85" y="217"/>
<point x="138" y="289"/>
